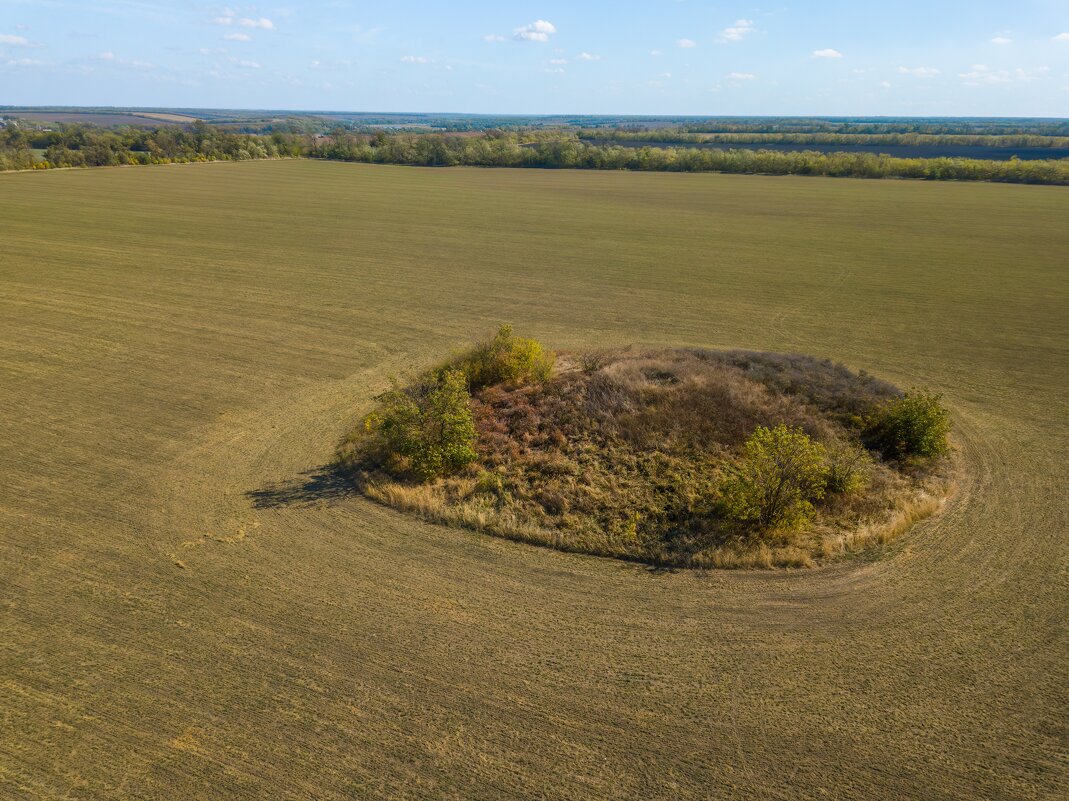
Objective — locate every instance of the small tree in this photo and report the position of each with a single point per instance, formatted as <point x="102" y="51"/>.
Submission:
<point x="427" y="432"/>
<point x="506" y="358"/>
<point x="849" y="467"/>
<point x="782" y="471"/>
<point x="916" y="424"/>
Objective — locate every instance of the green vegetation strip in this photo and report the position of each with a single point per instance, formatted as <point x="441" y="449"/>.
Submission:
<point x="82" y="146"/>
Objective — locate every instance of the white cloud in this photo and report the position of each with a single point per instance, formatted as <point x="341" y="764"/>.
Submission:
<point x="919" y="72"/>
<point x="493" y="37"/>
<point x="537" y="31"/>
<point x="656" y="53"/>
<point x="736" y="32"/>
<point x="885" y="84"/>
<point x="111" y="58"/>
<point x="14" y="41"/>
<point x="588" y="57"/>
<point x="238" y="37"/>
<point x="241" y="62"/>
<point x="230" y="17"/>
<point x="415" y="60"/>
<point x="1061" y="37"/>
<point x="827" y="52"/>
<point x="665" y="75"/>
<point x="686" y="43"/>
<point x="558" y="61"/>
<point x="980" y="75"/>
<point x="742" y="76"/>
<point x="1001" y="40"/>
<point x="24" y="62"/>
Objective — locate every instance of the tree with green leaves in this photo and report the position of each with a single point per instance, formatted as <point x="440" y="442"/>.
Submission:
<point x="506" y="358"/>
<point x="428" y="431"/>
<point x="781" y="472"/>
<point x="915" y="425"/>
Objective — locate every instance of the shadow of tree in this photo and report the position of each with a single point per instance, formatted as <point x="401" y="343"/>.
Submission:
<point x="320" y="485"/>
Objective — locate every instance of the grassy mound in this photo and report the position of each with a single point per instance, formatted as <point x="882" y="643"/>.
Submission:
<point x="673" y="457"/>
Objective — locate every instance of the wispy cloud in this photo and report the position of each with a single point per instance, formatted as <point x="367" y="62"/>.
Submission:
<point x="736" y="32"/>
<point x="558" y="61"/>
<point x="1001" y="40"/>
<point x="230" y="17"/>
<point x="686" y="43"/>
<point x="980" y="75"/>
<point x="588" y="57"/>
<point x="14" y="41"/>
<point x="656" y="53"/>
<point x="415" y="59"/>
<point x="493" y="37"/>
<point x="919" y="72"/>
<point x="238" y="37"/>
<point x="241" y="62"/>
<point x="827" y="52"/>
<point x="1061" y="37"/>
<point x="24" y="62"/>
<point x="109" y="57"/>
<point x="537" y="31"/>
<point x="741" y="76"/>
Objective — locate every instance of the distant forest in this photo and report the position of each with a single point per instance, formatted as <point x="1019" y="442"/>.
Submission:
<point x="26" y="146"/>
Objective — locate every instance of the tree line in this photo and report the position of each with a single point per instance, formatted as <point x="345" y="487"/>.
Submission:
<point x="992" y="127"/>
<point x="550" y="150"/>
<point x="678" y="136"/>
<point x="86" y="146"/>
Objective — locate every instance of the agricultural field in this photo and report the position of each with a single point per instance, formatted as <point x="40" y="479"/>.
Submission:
<point x="179" y="342"/>
<point x="103" y="118"/>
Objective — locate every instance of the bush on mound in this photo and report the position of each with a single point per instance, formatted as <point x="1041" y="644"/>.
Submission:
<point x="779" y="476"/>
<point x="505" y="359"/>
<point x="914" y="425"/>
<point x="423" y="431"/>
<point x="674" y="457"/>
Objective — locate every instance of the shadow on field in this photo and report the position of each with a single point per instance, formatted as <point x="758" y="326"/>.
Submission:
<point x="319" y="485"/>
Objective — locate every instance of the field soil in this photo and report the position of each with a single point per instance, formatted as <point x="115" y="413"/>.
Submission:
<point x="144" y="120"/>
<point x="193" y="605"/>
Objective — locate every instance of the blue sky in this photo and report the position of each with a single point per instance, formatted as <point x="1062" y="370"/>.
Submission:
<point x="829" y="57"/>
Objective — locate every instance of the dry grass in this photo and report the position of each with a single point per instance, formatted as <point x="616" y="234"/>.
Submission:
<point x="174" y="340"/>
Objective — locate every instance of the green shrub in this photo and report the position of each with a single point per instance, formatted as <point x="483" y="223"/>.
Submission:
<point x="916" y="424"/>
<point x="427" y="432"/>
<point x="506" y="359"/>
<point x="781" y="472"/>
<point x="849" y="467"/>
